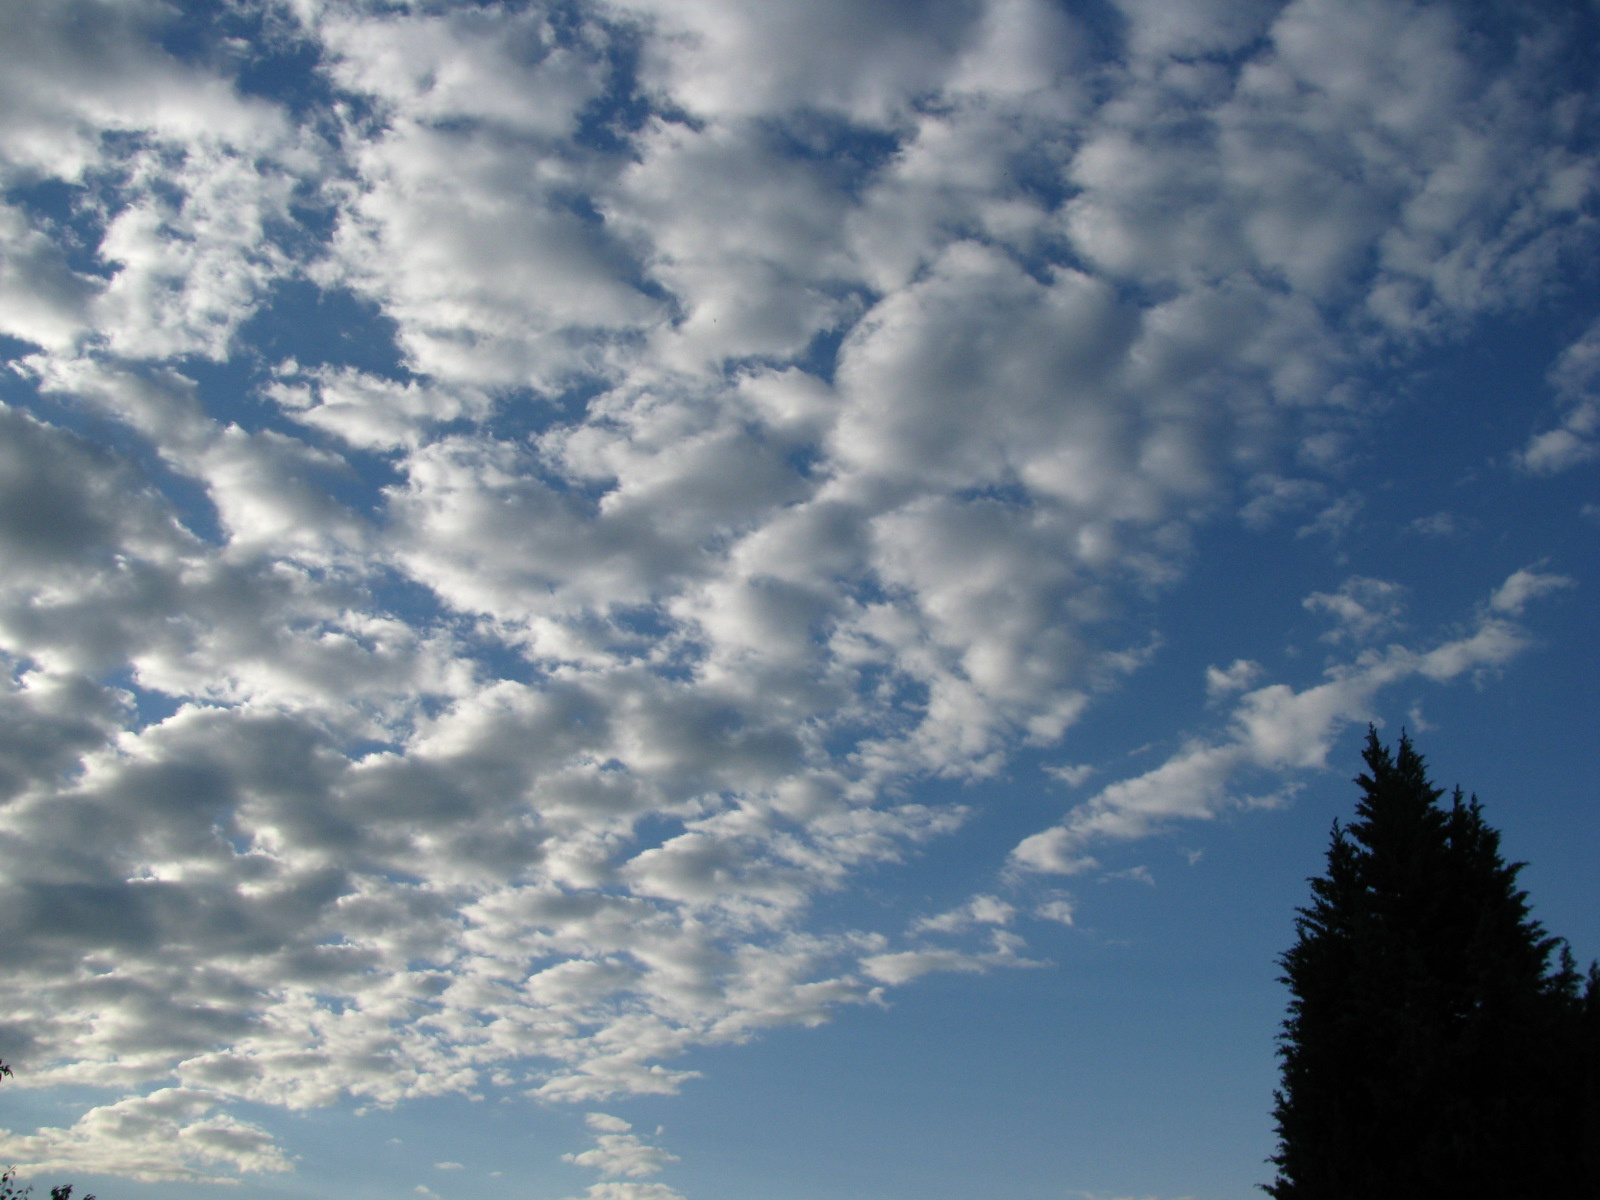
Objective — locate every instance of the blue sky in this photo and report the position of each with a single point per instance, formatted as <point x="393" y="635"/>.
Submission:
<point x="683" y="600"/>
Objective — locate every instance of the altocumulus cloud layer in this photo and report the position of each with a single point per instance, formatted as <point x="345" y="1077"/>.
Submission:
<point x="501" y="501"/>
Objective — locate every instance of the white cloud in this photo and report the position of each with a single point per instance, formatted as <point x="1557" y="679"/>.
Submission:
<point x="372" y="412"/>
<point x="1236" y="677"/>
<point x="618" y="1151"/>
<point x="460" y="221"/>
<point x="1075" y="775"/>
<point x="629" y="1191"/>
<point x="172" y="1134"/>
<point x="83" y="67"/>
<point x="903" y="966"/>
<point x="980" y="910"/>
<point x="186" y="181"/>
<point x="1058" y="907"/>
<point x="745" y="236"/>
<point x="1567" y="446"/>
<point x="188" y="272"/>
<point x="1363" y="609"/>
<point x="499" y="67"/>
<point x="42" y="299"/>
<point x="1274" y="729"/>
<point x="720" y="59"/>
<point x="1512" y="596"/>
<point x="1576" y="380"/>
<point x="1209" y="27"/>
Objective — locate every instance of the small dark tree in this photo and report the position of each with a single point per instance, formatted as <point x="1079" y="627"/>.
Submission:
<point x="1432" y="1047"/>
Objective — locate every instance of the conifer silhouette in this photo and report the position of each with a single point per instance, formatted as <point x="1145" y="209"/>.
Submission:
<point x="1438" y="1042"/>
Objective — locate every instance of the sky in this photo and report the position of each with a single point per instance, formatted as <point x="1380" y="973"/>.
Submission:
<point x="695" y="600"/>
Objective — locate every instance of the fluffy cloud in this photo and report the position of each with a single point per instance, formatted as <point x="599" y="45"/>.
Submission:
<point x="782" y="406"/>
<point x="465" y="219"/>
<point x="613" y="1190"/>
<point x="1576" y="380"/>
<point x="173" y="190"/>
<point x="865" y="61"/>
<point x="1362" y="609"/>
<point x="618" y="1151"/>
<point x="1512" y="596"/>
<point x="86" y="68"/>
<point x="139" y="1137"/>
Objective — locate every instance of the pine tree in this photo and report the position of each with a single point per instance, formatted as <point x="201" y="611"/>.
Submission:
<point x="1432" y="1048"/>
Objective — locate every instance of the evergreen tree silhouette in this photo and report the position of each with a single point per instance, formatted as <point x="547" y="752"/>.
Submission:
<point x="1432" y="1047"/>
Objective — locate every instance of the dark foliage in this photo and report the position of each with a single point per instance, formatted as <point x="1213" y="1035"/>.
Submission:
<point x="1439" y="1042"/>
<point x="10" y="1191"/>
